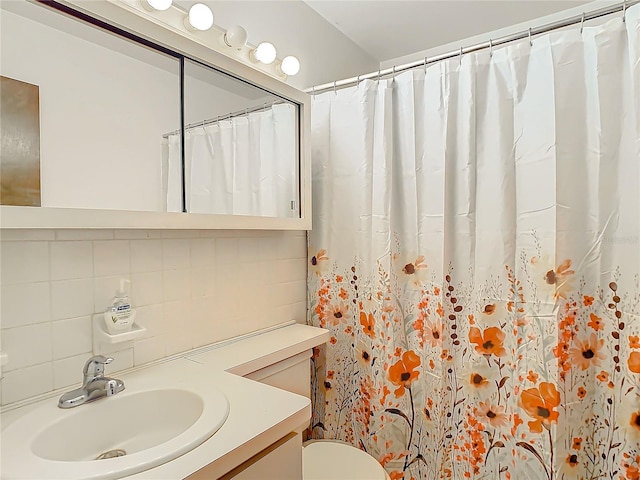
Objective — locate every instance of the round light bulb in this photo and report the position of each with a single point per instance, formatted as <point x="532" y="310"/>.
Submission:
<point x="265" y="53"/>
<point x="200" y="17"/>
<point x="290" y="65"/>
<point x="235" y="37"/>
<point x="159" y="4"/>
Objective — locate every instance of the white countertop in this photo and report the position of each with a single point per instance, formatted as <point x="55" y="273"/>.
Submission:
<point x="259" y="414"/>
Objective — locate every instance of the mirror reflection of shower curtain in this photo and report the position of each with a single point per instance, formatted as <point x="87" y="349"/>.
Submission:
<point x="172" y="174"/>
<point x="245" y="165"/>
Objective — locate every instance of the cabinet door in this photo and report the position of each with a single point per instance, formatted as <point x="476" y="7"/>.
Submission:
<point x="292" y="374"/>
<point x="280" y="461"/>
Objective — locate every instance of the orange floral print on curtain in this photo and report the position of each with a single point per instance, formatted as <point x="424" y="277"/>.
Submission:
<point x="488" y="342"/>
<point x="470" y="393"/>
<point x="540" y="404"/>
<point x="403" y="372"/>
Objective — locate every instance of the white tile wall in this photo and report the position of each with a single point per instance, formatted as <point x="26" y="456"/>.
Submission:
<point x="111" y="257"/>
<point x="84" y="234"/>
<point x="71" y="260"/>
<point x="68" y="371"/>
<point x="149" y="349"/>
<point x="25" y="262"/>
<point x="26" y="382"/>
<point x="152" y="318"/>
<point x="189" y="288"/>
<point x="203" y="252"/>
<point x="176" y="284"/>
<point x="146" y="256"/>
<point x="175" y="254"/>
<point x="146" y="288"/>
<point x="71" y="337"/>
<point x="25" y="303"/>
<point x="203" y="281"/>
<point x="71" y="298"/>
<point x="27" y="346"/>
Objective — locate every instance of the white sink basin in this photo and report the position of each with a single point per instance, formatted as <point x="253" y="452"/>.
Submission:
<point x="130" y="424"/>
<point x="140" y="430"/>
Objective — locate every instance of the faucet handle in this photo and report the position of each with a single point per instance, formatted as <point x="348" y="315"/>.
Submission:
<point x="95" y="365"/>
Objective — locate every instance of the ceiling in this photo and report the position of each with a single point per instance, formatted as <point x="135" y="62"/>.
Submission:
<point x="387" y="29"/>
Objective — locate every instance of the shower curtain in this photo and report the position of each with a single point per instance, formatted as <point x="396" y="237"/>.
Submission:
<point x="475" y="254"/>
<point x="245" y="165"/>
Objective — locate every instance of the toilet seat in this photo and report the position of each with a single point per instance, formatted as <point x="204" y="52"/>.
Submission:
<point x="330" y="460"/>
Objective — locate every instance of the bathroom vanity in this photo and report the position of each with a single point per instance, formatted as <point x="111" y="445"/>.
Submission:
<point x="259" y="439"/>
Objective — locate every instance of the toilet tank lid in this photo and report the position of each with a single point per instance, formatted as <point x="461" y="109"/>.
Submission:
<point x="329" y="460"/>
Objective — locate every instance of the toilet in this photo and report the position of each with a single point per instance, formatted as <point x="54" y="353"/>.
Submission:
<point x="321" y="459"/>
<point x="346" y="462"/>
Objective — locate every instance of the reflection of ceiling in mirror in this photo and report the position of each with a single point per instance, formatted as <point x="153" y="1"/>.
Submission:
<point x="226" y="82"/>
<point x="76" y="28"/>
<point x="206" y="102"/>
<point x="112" y="42"/>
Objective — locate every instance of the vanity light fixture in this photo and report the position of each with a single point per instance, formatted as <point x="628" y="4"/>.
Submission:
<point x="290" y="65"/>
<point x="264" y="53"/>
<point x="200" y="18"/>
<point x="235" y="37"/>
<point x="152" y="5"/>
<point x="199" y="21"/>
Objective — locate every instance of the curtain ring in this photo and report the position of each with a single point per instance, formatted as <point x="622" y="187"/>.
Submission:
<point x="378" y="74"/>
<point x="393" y="78"/>
<point x="313" y="91"/>
<point x="425" y="65"/>
<point x="624" y="10"/>
<point x="357" y="80"/>
<point x="530" y="41"/>
<point x="582" y="23"/>
<point x="334" y="88"/>
<point x="490" y="47"/>
<point x="460" y="57"/>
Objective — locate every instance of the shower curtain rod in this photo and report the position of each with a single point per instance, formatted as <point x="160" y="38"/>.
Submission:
<point x="347" y="82"/>
<point x="228" y="116"/>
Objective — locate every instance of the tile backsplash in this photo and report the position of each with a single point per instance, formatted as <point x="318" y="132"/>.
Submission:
<point x="189" y="289"/>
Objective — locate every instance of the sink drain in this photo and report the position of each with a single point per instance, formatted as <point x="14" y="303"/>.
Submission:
<point x="111" y="454"/>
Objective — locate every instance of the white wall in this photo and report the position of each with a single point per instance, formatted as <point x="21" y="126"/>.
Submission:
<point x="102" y="114"/>
<point x="512" y="29"/>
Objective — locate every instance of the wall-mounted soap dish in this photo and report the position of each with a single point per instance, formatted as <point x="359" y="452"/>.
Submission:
<point x="105" y="342"/>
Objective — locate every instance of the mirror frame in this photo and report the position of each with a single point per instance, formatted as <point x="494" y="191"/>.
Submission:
<point x="121" y="15"/>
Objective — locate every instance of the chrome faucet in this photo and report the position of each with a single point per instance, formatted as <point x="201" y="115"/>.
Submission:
<point x="95" y="384"/>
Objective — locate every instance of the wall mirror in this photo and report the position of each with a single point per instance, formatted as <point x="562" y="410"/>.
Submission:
<point x="134" y="118"/>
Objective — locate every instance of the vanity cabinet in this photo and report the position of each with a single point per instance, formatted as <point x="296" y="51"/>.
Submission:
<point x="292" y="374"/>
<point x="283" y="459"/>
